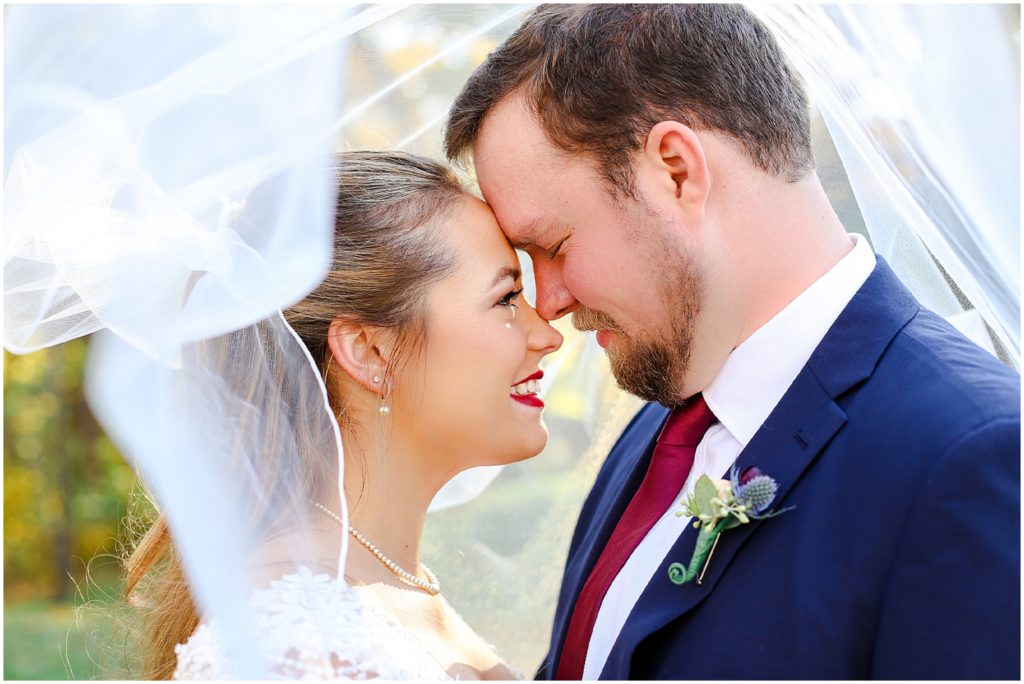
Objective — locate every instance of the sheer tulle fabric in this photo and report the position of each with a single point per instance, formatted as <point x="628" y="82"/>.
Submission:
<point x="929" y="138"/>
<point x="133" y="129"/>
<point x="134" y="132"/>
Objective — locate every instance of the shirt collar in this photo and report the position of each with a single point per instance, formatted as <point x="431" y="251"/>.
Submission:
<point x="760" y="370"/>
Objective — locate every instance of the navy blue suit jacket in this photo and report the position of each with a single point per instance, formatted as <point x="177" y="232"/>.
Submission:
<point x="898" y="447"/>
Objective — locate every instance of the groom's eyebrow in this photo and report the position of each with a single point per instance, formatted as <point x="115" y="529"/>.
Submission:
<point x="506" y="272"/>
<point x="530" y="229"/>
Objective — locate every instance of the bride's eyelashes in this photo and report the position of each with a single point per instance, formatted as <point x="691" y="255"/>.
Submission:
<point x="510" y="298"/>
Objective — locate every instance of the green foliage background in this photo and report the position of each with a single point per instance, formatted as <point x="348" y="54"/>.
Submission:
<point x="66" y="488"/>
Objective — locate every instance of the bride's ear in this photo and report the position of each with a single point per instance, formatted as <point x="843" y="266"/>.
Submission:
<point x="361" y="351"/>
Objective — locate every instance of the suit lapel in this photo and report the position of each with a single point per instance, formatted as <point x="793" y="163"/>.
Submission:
<point x="790" y="439"/>
<point x="630" y="459"/>
<point x="797" y="431"/>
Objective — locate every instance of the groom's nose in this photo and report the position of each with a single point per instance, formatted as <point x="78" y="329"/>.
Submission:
<point x="554" y="299"/>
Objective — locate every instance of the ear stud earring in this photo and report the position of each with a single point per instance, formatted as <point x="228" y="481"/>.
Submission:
<point x="376" y="379"/>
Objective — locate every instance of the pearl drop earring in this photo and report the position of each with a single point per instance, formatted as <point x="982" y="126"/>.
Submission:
<point x="384" y="410"/>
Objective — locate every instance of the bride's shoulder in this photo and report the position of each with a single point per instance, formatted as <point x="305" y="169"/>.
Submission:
<point x="308" y="624"/>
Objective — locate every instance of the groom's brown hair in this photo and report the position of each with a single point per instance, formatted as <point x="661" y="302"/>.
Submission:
<point x="599" y="77"/>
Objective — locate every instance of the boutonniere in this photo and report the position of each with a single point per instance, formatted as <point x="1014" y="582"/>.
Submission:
<point x="745" y="496"/>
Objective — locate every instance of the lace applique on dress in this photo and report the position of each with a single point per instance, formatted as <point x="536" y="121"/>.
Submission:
<point x="309" y="628"/>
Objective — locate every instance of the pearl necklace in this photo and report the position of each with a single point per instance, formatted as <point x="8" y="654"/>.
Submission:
<point x="429" y="585"/>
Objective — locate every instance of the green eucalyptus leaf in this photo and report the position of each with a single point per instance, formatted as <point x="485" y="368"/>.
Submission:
<point x="704" y="492"/>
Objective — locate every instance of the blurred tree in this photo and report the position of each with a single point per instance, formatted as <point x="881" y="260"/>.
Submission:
<point x="65" y="484"/>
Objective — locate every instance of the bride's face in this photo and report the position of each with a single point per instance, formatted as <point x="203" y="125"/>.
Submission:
<point x="461" y="396"/>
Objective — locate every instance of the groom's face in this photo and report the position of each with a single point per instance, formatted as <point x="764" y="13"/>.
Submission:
<point x="612" y="263"/>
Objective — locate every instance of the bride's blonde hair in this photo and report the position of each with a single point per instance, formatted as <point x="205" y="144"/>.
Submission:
<point x="386" y="254"/>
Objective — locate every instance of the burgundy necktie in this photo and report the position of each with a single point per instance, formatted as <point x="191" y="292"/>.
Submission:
<point x="666" y="475"/>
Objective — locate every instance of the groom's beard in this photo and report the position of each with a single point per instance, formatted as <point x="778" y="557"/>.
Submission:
<point x="653" y="368"/>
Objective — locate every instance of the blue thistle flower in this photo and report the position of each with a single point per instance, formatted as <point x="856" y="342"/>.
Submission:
<point x="758" y="493"/>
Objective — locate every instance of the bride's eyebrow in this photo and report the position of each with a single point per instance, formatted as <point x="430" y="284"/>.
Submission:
<point x="506" y="272"/>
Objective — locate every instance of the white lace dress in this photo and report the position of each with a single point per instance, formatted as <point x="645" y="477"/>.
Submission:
<point x="308" y="629"/>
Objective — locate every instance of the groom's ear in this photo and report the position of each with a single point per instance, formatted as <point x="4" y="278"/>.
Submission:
<point x="675" y="157"/>
<point x="361" y="351"/>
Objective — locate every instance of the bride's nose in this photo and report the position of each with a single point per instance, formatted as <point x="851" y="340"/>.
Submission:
<point x="541" y="336"/>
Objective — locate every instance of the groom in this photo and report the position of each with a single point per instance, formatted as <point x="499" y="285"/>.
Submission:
<point x="655" y="163"/>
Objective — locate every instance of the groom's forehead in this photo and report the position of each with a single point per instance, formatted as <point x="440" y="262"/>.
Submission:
<point x="511" y="145"/>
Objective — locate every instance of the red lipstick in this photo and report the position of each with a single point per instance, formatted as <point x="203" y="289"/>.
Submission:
<point x="536" y="376"/>
<point x="528" y="399"/>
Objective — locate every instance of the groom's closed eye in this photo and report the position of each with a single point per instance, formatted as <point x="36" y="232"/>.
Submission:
<point x="546" y="238"/>
<point x="553" y="252"/>
<point x="554" y="236"/>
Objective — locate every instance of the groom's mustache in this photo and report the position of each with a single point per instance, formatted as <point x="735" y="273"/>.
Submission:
<point x="584" y="319"/>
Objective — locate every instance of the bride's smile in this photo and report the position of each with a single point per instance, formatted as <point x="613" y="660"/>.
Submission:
<point x="525" y="391"/>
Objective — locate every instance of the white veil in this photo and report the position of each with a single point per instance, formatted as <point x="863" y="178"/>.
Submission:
<point x="133" y="131"/>
<point x="929" y="137"/>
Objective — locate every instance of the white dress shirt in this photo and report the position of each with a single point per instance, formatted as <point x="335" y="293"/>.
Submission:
<point x="742" y="396"/>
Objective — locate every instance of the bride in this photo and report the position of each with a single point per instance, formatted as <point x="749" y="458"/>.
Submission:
<point x="294" y="376"/>
<point x="430" y="355"/>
